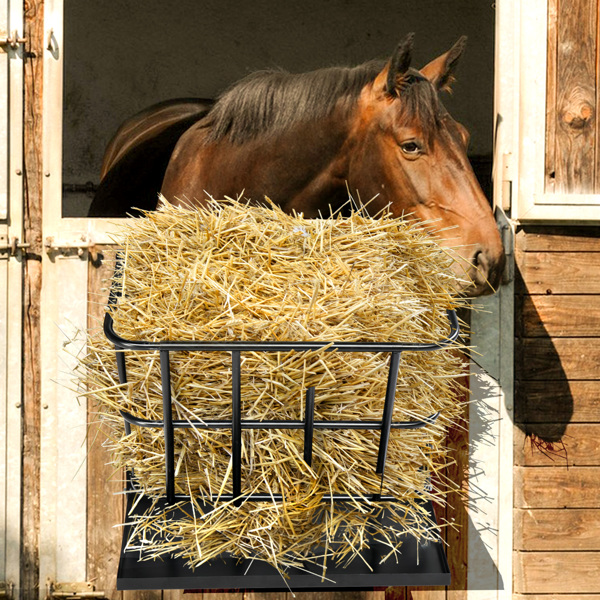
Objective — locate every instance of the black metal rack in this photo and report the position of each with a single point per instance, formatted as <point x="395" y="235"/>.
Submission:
<point x="419" y="564"/>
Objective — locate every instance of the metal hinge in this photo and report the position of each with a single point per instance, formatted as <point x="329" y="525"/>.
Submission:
<point x="6" y="590"/>
<point x="13" y="40"/>
<point x="73" y="590"/>
<point x="12" y="245"/>
<point x="54" y="245"/>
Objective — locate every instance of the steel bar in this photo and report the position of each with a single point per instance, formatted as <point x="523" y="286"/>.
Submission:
<point x="250" y="424"/>
<point x="388" y="411"/>
<point x="309" y="420"/>
<point x="236" y="426"/>
<point x="165" y="374"/>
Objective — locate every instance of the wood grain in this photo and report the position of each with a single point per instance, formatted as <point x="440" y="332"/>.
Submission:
<point x="546" y="359"/>
<point x="566" y="401"/>
<point x="579" y="446"/>
<point x="559" y="316"/>
<point x="575" y="96"/>
<point x="551" y="89"/>
<point x="557" y="572"/>
<point x="32" y="282"/>
<point x="557" y="529"/>
<point x="555" y="597"/>
<point x="104" y="507"/>
<point x="559" y="273"/>
<point x="557" y="487"/>
<point x="580" y="238"/>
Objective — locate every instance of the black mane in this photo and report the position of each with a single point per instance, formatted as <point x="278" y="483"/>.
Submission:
<point x="269" y="102"/>
<point x="272" y="101"/>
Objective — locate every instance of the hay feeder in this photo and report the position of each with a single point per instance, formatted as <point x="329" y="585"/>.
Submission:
<point x="421" y="563"/>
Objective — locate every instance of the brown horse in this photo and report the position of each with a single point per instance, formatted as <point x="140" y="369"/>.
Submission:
<point x="305" y="140"/>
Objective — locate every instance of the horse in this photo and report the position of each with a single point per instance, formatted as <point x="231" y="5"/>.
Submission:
<point x="378" y="130"/>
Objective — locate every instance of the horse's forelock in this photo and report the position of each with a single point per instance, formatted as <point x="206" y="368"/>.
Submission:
<point x="419" y="104"/>
<point x="269" y="102"/>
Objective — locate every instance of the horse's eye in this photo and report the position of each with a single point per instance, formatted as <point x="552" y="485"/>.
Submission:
<point x="410" y="147"/>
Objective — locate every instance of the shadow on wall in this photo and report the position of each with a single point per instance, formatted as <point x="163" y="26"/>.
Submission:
<point x="543" y="398"/>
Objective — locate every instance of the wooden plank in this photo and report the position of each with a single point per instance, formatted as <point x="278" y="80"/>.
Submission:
<point x="557" y="487"/>
<point x="551" y="89"/>
<point x="557" y="529"/>
<point x="576" y="96"/>
<point x="104" y="508"/>
<point x="32" y="175"/>
<point x="457" y="539"/>
<point x="580" y="238"/>
<point x="546" y="359"/>
<point x="559" y="316"/>
<point x="555" y="597"/>
<point x="556" y="572"/>
<point x="559" y="402"/>
<point x="576" y="445"/>
<point x="559" y="273"/>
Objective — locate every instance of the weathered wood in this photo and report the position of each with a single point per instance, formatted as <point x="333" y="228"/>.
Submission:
<point x="546" y="359"/>
<point x="270" y="596"/>
<point x="32" y="160"/>
<point x="142" y="595"/>
<point x="457" y="537"/>
<point x="561" y="402"/>
<point x="551" y="87"/>
<point x="557" y="529"/>
<point x="555" y="597"/>
<point x="104" y="507"/>
<point x="557" y="487"/>
<point x="576" y="96"/>
<point x="580" y="238"/>
<point x="556" y="572"/>
<point x="559" y="316"/>
<point x="355" y="595"/>
<point x="579" y="446"/>
<point x="559" y="273"/>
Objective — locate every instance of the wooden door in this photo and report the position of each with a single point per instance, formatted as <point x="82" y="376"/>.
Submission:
<point x="11" y="271"/>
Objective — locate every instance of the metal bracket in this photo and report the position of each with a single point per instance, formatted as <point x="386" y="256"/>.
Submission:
<point x="53" y="245"/>
<point x="73" y="590"/>
<point x="6" y="590"/>
<point x="12" y="246"/>
<point x="13" y="40"/>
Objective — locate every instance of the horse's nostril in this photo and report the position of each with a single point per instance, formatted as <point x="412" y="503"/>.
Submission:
<point x="480" y="261"/>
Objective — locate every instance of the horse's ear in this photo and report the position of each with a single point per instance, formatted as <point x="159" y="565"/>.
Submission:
<point x="440" y="71"/>
<point x="387" y="82"/>
<point x="399" y="64"/>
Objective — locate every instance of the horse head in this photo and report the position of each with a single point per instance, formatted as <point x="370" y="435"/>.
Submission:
<point x="410" y="155"/>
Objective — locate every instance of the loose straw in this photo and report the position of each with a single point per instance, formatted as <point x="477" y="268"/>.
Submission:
<point x="236" y="272"/>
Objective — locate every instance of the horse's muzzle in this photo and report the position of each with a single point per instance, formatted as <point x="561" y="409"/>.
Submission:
<point x="485" y="272"/>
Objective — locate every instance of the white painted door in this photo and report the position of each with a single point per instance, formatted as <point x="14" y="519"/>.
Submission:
<point x="11" y="202"/>
<point x="63" y="470"/>
<point x="491" y="409"/>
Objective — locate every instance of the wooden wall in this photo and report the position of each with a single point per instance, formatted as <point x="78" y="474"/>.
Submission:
<point x="573" y="94"/>
<point x="557" y="414"/>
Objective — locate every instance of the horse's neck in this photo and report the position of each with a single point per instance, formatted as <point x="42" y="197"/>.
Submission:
<point x="306" y="169"/>
<point x="303" y="169"/>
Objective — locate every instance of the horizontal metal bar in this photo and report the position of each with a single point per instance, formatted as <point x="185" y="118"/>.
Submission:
<point x="217" y="346"/>
<point x="251" y="424"/>
<point x="279" y="498"/>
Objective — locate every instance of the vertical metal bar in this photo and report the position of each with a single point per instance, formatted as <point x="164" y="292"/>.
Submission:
<point x="165" y="374"/>
<point x="122" y="371"/>
<point x="388" y="411"/>
<point x="236" y="425"/>
<point x="309" y="419"/>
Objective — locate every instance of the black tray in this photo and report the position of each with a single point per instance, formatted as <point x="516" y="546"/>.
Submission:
<point x="416" y="565"/>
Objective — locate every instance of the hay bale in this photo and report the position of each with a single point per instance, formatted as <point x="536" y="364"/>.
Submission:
<point x="236" y="272"/>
